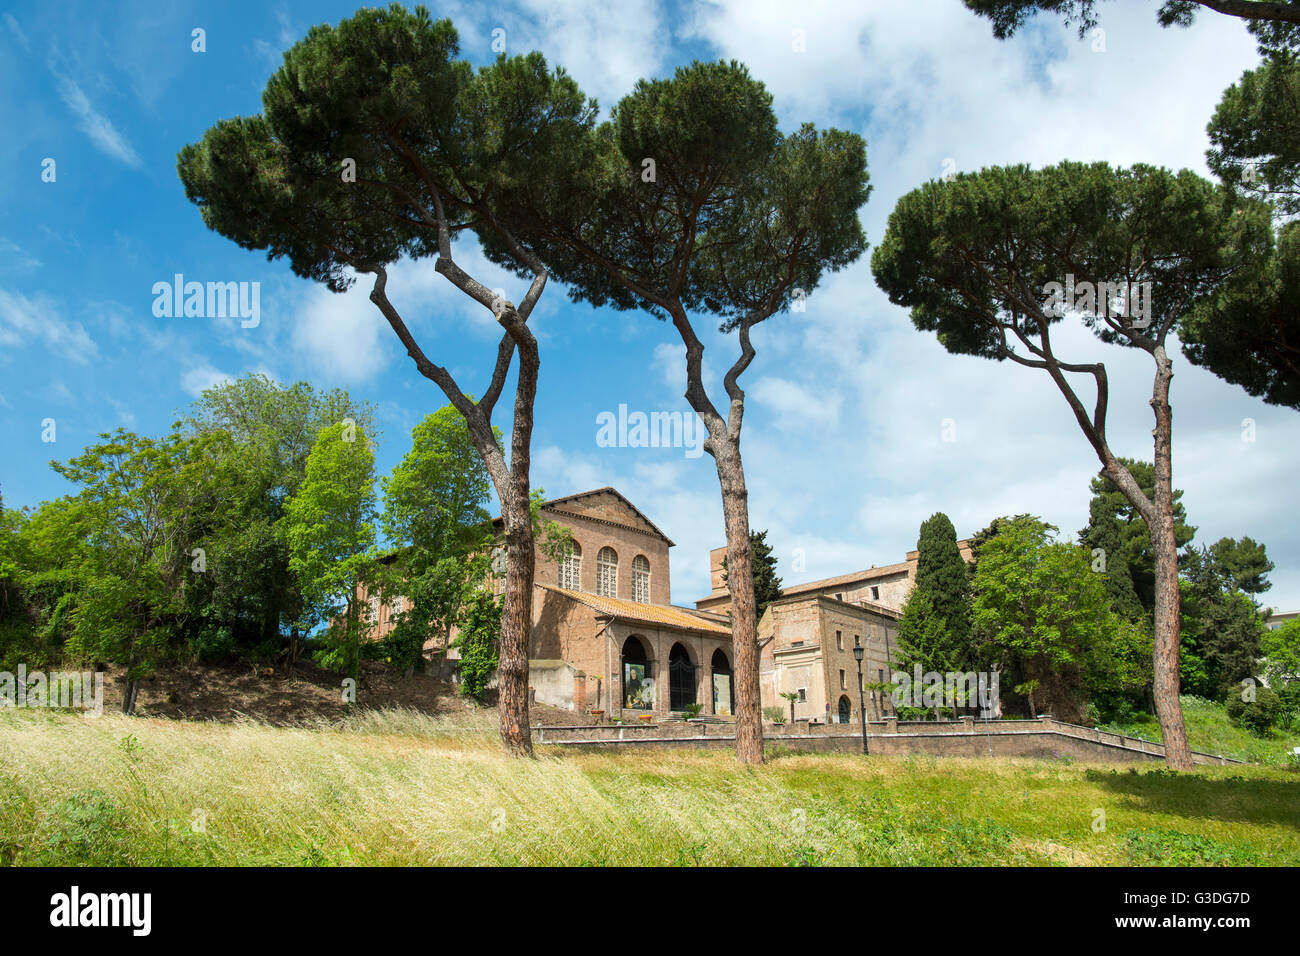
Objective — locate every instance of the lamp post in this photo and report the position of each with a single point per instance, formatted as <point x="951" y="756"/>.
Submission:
<point x="858" y="652"/>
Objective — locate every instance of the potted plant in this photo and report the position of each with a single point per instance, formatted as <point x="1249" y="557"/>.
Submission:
<point x="791" y="696"/>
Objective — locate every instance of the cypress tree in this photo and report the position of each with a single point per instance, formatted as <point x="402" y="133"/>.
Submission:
<point x="767" y="585"/>
<point x="935" y="629"/>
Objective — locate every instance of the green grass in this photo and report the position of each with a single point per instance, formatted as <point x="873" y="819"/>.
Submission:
<point x="403" y="788"/>
<point x="1210" y="731"/>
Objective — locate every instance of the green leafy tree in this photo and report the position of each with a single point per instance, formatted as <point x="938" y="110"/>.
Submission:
<point x="1281" y="649"/>
<point x="941" y="572"/>
<point x="435" y="515"/>
<point x="1244" y="563"/>
<point x="375" y="145"/>
<point x="990" y="261"/>
<point x="480" y="629"/>
<point x="767" y="583"/>
<point x="330" y="528"/>
<point x="20" y="608"/>
<point x="791" y="698"/>
<point x="1039" y="607"/>
<point x="690" y="204"/>
<point x="141" y="505"/>
<point x="924" y="638"/>
<point x="248" y="600"/>
<point x="1280" y="664"/>
<point x="1104" y="539"/>
<point x="1222" y="628"/>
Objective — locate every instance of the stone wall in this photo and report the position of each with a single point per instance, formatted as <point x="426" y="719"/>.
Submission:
<point x="1044" y="738"/>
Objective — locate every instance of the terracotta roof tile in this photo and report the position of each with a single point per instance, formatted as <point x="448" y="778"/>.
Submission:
<point x="665" y="615"/>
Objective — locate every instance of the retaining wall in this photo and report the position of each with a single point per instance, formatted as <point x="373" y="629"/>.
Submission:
<point x="1044" y="737"/>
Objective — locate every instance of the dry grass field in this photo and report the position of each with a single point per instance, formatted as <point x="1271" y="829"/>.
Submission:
<point x="407" y="788"/>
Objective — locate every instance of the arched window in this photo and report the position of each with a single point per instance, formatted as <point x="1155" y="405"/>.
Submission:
<point x="571" y="568"/>
<point x="607" y="573"/>
<point x="641" y="579"/>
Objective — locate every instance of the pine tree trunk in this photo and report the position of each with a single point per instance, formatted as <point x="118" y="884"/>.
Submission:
<point x="1168" y="605"/>
<point x="744" y="619"/>
<point x="516" y="623"/>
<point x="517" y="612"/>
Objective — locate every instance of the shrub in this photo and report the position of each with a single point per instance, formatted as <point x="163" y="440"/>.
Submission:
<point x="1258" y="715"/>
<point x="774" y="714"/>
<point x="403" y="648"/>
<point x="87" y="828"/>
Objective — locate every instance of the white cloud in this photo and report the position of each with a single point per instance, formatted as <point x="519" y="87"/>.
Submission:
<point x="16" y="258"/>
<point x="605" y="46"/>
<point x="94" y="124"/>
<point x="339" y="335"/>
<point x="202" y="377"/>
<point x="24" y="321"/>
<point x="17" y="31"/>
<point x="794" y="405"/>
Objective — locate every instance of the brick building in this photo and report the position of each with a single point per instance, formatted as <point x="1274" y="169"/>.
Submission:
<point x="807" y="638"/>
<point x="607" y="637"/>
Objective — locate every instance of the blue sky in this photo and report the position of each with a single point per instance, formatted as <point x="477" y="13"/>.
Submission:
<point x="847" y="404"/>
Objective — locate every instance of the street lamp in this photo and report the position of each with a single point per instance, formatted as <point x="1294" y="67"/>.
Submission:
<point x="858" y="652"/>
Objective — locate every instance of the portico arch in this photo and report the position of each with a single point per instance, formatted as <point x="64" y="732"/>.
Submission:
<point x="724" y="689"/>
<point x="638" y="674"/>
<point x="681" y="678"/>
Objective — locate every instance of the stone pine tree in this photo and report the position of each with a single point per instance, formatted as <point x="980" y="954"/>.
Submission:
<point x="690" y="204"/>
<point x="1249" y="333"/>
<point x="1271" y="20"/>
<point x="1255" y="135"/>
<point x="935" y="628"/>
<point x="991" y="261"/>
<point x="767" y="584"/>
<point x="375" y="145"/>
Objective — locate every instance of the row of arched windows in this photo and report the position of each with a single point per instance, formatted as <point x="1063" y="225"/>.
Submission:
<point x="606" y="573"/>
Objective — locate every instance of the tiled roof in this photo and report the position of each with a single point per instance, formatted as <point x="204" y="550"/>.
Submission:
<point x="659" y="614"/>
<point x="825" y="583"/>
<point x="845" y="579"/>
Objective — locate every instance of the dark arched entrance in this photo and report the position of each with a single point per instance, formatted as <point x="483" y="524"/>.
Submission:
<point x="638" y="684"/>
<point x="681" y="679"/>
<point x="724" y="688"/>
<point x="846" y="709"/>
